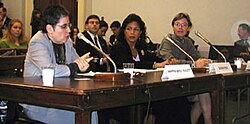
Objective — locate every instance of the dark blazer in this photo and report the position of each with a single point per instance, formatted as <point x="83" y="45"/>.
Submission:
<point x="241" y="46"/>
<point x="6" y="22"/>
<point x="82" y="48"/>
<point x="112" y="39"/>
<point x="121" y="53"/>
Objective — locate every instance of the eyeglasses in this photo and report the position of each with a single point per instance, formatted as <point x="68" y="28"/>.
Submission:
<point x="183" y="25"/>
<point x="64" y="26"/>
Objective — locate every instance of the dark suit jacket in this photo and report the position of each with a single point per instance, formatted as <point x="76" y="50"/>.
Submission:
<point x="82" y="48"/>
<point x="7" y="21"/>
<point x="121" y="53"/>
<point x="241" y="46"/>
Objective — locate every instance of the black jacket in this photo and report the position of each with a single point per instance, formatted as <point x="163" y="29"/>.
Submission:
<point x="82" y="48"/>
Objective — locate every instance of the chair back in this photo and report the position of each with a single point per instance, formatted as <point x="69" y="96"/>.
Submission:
<point x="12" y="62"/>
<point x="226" y="50"/>
<point x="7" y="51"/>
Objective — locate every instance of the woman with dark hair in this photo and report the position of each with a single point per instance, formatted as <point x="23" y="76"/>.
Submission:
<point x="131" y="47"/>
<point x="35" y="21"/>
<point x="73" y="34"/>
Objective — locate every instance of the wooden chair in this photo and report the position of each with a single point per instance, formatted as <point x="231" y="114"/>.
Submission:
<point x="7" y="51"/>
<point x="12" y="64"/>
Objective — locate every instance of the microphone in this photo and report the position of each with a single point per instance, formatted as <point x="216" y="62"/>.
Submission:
<point x="191" y="58"/>
<point x="206" y="40"/>
<point x="81" y="36"/>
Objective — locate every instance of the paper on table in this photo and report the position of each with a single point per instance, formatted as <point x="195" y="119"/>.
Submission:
<point x="145" y="70"/>
<point x="89" y="74"/>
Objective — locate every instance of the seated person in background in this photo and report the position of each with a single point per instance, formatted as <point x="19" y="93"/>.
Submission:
<point x="92" y="25"/>
<point x="181" y="24"/>
<point x="14" y="36"/>
<point x="53" y="47"/>
<point x="241" y="47"/>
<point x="73" y="34"/>
<point x="103" y="28"/>
<point x="115" y="28"/>
<point x="131" y="47"/>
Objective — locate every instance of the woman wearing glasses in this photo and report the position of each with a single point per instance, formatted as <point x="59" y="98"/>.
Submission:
<point x="181" y="25"/>
<point x="53" y="47"/>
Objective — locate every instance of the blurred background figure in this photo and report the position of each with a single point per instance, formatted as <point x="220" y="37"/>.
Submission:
<point x="5" y="19"/>
<point x="35" y="21"/>
<point x="1" y="24"/>
<point x="14" y="36"/>
<point x="73" y="34"/>
<point x="241" y="47"/>
<point x="115" y="28"/>
<point x="103" y="28"/>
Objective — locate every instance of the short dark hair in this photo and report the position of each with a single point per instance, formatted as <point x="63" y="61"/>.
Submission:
<point x="116" y="24"/>
<point x="51" y="15"/>
<point x="103" y="24"/>
<point x="92" y="17"/>
<point x="182" y="16"/>
<point x="245" y="27"/>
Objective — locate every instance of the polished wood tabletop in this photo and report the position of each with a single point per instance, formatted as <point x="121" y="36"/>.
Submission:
<point x="87" y="94"/>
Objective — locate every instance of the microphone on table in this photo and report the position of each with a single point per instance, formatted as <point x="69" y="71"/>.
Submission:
<point x="210" y="44"/>
<point x="190" y="57"/>
<point x="81" y="36"/>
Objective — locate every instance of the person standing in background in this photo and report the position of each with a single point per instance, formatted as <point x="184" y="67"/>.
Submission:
<point x="35" y="21"/>
<point x="6" y="19"/>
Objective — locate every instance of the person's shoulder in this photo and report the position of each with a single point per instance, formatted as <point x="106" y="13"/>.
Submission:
<point x="39" y="37"/>
<point x="238" y="42"/>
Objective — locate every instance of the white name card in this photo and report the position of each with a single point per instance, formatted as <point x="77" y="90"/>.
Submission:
<point x="171" y="72"/>
<point x="248" y="65"/>
<point x="220" y="68"/>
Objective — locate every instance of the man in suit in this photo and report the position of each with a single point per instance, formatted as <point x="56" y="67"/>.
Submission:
<point x="5" y="19"/>
<point x="92" y="25"/>
<point x="241" y="47"/>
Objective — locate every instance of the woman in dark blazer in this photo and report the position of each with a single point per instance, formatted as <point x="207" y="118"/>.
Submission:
<point x="131" y="47"/>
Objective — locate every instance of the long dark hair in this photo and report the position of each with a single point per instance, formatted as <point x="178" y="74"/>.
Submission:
<point x="133" y="18"/>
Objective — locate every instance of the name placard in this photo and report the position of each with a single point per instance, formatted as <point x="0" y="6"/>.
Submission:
<point x="220" y="68"/>
<point x="171" y="72"/>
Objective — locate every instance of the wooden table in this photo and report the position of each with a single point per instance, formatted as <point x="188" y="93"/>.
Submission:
<point x="84" y="96"/>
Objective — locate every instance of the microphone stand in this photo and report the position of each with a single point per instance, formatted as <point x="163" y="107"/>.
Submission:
<point x="206" y="40"/>
<point x="193" y="62"/>
<point x="81" y="36"/>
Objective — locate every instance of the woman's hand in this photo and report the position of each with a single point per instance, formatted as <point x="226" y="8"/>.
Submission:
<point x="202" y="62"/>
<point x="83" y="62"/>
<point x="166" y="62"/>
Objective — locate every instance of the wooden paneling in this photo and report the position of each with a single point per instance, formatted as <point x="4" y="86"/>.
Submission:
<point x="70" y="5"/>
